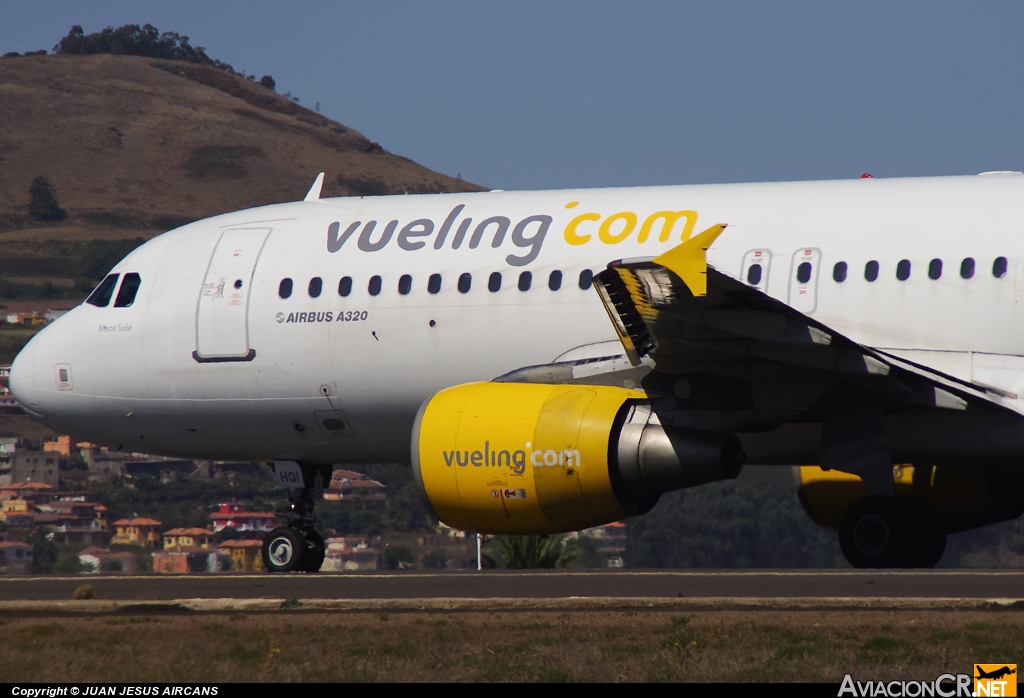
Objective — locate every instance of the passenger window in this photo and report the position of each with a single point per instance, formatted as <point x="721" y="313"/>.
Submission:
<point x="129" y="287"/>
<point x="754" y="274"/>
<point x="871" y="270"/>
<point x="284" y="289"/>
<point x="465" y="281"/>
<point x="555" y="280"/>
<point x="967" y="268"/>
<point x="494" y="282"/>
<point x="316" y="286"/>
<point x="903" y="270"/>
<point x="374" y="287"/>
<point x="405" y="284"/>
<point x="999" y="267"/>
<point x="839" y="272"/>
<point x="525" y="279"/>
<point x="803" y="272"/>
<point x="586" y="278"/>
<point x="935" y="269"/>
<point x="101" y="296"/>
<point x="345" y="286"/>
<point x="434" y="283"/>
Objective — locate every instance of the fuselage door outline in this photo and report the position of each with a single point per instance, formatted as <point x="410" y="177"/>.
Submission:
<point x="803" y="279"/>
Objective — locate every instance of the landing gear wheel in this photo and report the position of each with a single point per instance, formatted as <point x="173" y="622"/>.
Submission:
<point x="931" y="532"/>
<point x="315" y="551"/>
<point x="284" y="550"/>
<point x="878" y="532"/>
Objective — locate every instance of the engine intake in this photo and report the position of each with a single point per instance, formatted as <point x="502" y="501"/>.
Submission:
<point x="531" y="458"/>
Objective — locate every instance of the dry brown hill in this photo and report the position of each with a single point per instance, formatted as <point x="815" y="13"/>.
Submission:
<point x="142" y="139"/>
<point x="134" y="146"/>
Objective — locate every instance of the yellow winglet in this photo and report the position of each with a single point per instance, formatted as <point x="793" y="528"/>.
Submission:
<point x="689" y="261"/>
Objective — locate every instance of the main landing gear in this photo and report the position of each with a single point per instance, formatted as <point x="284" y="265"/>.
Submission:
<point x="298" y="546"/>
<point x="877" y="531"/>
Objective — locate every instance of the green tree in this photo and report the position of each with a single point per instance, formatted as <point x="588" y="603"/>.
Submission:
<point x="533" y="552"/>
<point x="43" y="204"/>
<point x="133" y="40"/>
<point x="44" y="551"/>
<point x="589" y="554"/>
<point x="393" y="556"/>
<point x="434" y="561"/>
<point x="68" y="565"/>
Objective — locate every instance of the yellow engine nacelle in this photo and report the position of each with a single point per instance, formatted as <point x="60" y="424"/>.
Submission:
<point x="964" y="497"/>
<point x="521" y="458"/>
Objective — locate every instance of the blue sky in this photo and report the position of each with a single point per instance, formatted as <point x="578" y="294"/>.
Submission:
<point x="534" y="95"/>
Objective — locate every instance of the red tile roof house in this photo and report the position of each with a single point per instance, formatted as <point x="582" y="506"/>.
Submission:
<point x="188" y="538"/>
<point x="190" y="551"/>
<point x="100" y="560"/>
<point x="248" y="524"/>
<point x="137" y="531"/>
<point x="191" y="560"/>
<point x="349" y="553"/>
<point x="246" y="555"/>
<point x="347" y="484"/>
<point x="75" y="522"/>
<point x="16" y="557"/>
<point x="35" y="492"/>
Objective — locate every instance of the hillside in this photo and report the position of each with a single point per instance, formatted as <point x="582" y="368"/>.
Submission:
<point x="135" y="146"/>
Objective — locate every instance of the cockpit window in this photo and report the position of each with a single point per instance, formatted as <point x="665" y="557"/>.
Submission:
<point x="129" y="287"/>
<point x="101" y="296"/>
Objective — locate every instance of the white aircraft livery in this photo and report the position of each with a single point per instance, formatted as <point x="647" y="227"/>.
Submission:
<point x="549" y="361"/>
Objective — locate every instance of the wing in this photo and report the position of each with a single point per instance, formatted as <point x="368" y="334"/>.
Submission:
<point x="688" y="316"/>
<point x="728" y="357"/>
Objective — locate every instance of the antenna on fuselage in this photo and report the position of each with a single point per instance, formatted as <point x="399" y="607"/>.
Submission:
<point x="314" y="191"/>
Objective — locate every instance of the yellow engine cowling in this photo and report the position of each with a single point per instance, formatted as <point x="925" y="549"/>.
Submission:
<point x="965" y="497"/>
<point x="521" y="458"/>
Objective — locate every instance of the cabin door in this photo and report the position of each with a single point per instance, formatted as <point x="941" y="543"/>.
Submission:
<point x="222" y="314"/>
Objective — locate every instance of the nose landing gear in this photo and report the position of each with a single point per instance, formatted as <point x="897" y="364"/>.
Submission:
<point x="287" y="549"/>
<point x="298" y="546"/>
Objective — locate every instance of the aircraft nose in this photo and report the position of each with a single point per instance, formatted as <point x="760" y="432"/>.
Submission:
<point x="22" y="381"/>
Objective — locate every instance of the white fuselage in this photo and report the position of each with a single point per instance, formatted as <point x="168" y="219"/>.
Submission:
<point x="140" y="377"/>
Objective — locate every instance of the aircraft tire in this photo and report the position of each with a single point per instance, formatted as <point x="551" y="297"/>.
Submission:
<point x="931" y="532"/>
<point x="878" y="532"/>
<point x="316" y="550"/>
<point x="284" y="550"/>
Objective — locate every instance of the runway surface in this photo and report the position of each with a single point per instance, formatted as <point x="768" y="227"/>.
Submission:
<point x="534" y="585"/>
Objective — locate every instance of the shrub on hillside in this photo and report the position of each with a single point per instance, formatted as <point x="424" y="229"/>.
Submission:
<point x="363" y="186"/>
<point x="220" y="160"/>
<point x="268" y="82"/>
<point x="43" y="204"/>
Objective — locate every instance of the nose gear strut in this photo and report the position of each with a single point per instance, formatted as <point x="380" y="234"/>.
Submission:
<point x="298" y="546"/>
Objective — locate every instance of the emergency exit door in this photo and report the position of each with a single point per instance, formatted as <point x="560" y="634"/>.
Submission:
<point x="222" y="314"/>
<point x="803" y="280"/>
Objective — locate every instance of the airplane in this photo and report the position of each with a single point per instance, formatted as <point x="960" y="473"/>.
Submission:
<point x="995" y="673"/>
<point x="554" y="360"/>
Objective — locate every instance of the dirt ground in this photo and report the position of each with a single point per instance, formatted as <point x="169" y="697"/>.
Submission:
<point x="759" y="645"/>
